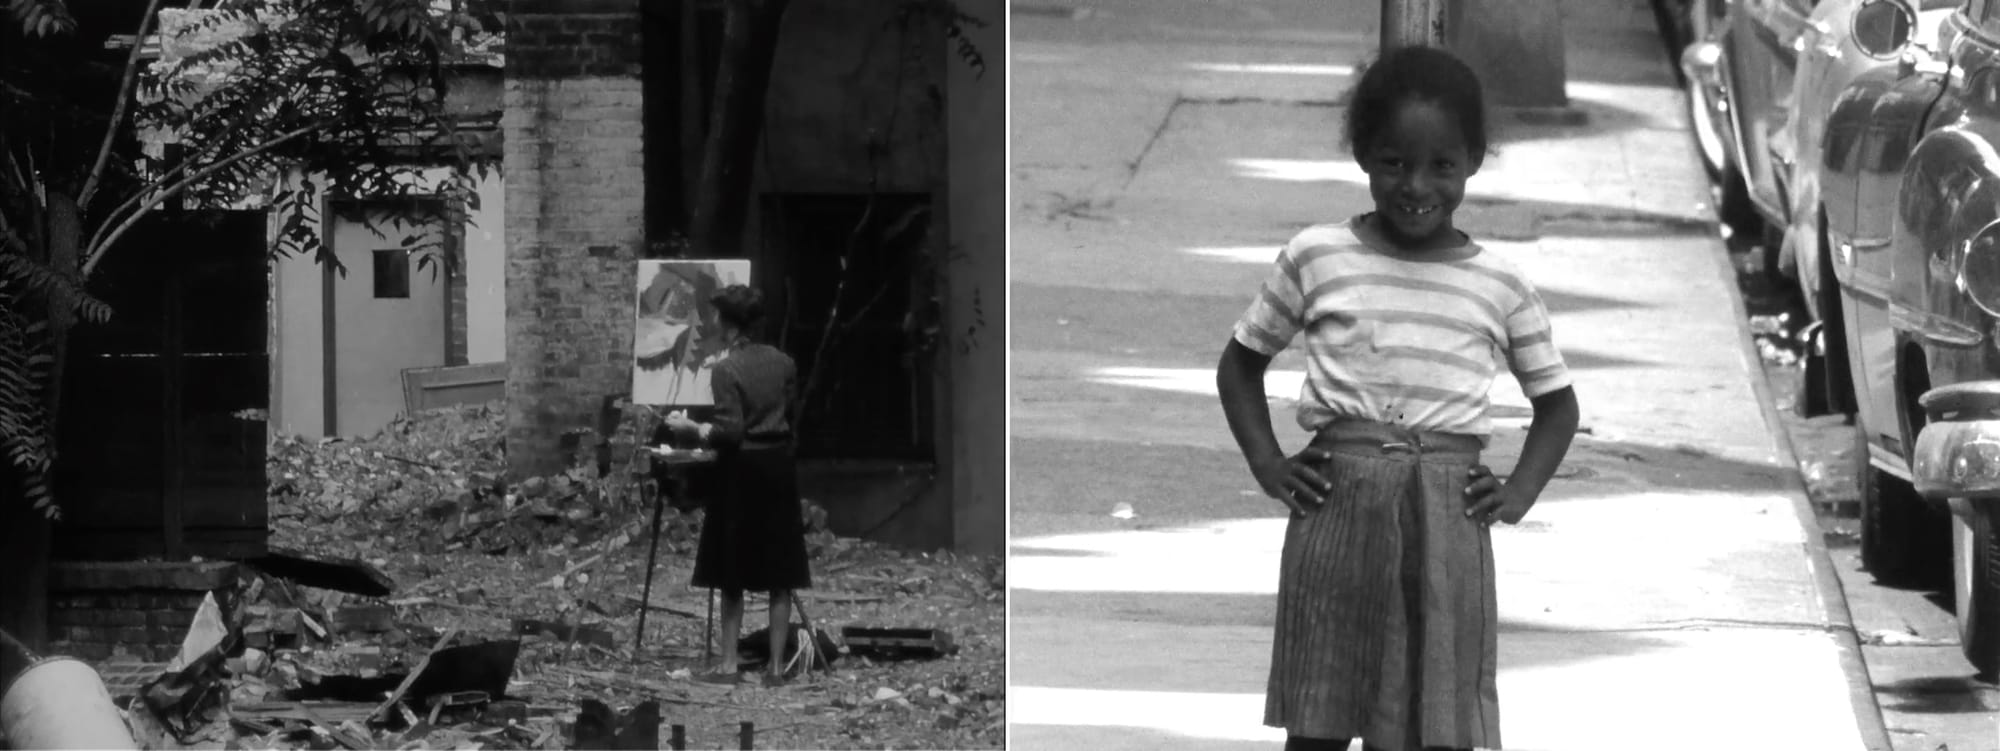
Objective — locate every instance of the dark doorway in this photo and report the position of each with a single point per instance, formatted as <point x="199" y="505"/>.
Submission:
<point x="162" y="442"/>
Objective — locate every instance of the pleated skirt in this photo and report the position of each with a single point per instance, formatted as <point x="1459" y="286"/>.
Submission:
<point x="753" y="535"/>
<point x="1387" y="622"/>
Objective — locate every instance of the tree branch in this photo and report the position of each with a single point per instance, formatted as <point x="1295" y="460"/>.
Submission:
<point x="118" y="110"/>
<point x="95" y="253"/>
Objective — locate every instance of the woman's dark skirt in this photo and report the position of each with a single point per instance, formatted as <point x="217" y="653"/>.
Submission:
<point x="753" y="536"/>
<point x="1387" y="622"/>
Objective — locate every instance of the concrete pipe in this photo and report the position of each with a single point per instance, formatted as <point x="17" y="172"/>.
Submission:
<point x="60" y="702"/>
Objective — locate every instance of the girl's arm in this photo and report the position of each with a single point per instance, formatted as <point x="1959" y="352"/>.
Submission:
<point x="1240" y="380"/>
<point x="1549" y="436"/>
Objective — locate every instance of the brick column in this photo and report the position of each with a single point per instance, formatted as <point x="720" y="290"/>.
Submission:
<point x="575" y="181"/>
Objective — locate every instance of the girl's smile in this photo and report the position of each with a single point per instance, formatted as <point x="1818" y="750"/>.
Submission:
<point x="1416" y="174"/>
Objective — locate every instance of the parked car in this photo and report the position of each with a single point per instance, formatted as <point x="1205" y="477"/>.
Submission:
<point x="1909" y="186"/>
<point x="1833" y="58"/>
<point x="1739" y="71"/>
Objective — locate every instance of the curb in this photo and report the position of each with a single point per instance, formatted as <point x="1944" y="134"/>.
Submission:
<point x="1832" y="596"/>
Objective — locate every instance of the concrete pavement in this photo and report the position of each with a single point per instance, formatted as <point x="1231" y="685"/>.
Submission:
<point x="1662" y="593"/>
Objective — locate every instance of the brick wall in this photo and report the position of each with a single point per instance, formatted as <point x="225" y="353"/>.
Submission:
<point x="96" y="608"/>
<point x="575" y="185"/>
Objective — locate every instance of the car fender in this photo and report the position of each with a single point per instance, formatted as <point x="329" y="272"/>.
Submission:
<point x="1950" y="191"/>
<point x="1840" y="148"/>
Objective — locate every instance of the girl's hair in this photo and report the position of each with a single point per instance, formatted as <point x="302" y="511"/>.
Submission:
<point x="738" y="306"/>
<point x="1416" y="73"/>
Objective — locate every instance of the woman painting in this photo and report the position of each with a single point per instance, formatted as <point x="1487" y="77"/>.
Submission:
<point x="752" y="538"/>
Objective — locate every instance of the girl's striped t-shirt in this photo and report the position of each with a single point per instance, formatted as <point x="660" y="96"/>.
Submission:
<point x="1410" y="342"/>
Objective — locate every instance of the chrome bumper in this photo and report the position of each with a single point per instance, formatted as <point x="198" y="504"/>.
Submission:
<point x="1957" y="456"/>
<point x="1700" y="62"/>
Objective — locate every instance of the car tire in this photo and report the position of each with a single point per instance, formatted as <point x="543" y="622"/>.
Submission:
<point x="1901" y="538"/>
<point x="1978" y="591"/>
<point x="1734" y="208"/>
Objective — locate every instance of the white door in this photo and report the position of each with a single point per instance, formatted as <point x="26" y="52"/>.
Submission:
<point x="385" y="315"/>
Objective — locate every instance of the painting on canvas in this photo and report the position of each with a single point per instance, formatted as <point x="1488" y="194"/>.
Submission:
<point x="676" y="340"/>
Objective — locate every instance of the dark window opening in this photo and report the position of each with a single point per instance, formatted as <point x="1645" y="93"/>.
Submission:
<point x="392" y="274"/>
<point x="871" y="396"/>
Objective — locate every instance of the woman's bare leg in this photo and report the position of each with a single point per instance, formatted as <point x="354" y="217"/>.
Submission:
<point x="781" y="627"/>
<point x="732" y="628"/>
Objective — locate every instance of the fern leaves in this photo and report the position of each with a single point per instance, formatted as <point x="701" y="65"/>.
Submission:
<point x="42" y="18"/>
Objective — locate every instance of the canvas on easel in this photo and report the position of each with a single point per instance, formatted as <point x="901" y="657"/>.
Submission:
<point x="677" y="339"/>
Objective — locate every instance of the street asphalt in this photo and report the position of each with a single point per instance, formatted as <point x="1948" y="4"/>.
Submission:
<point x="1665" y="592"/>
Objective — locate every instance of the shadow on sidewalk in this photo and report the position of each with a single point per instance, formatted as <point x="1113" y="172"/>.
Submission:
<point x="1938" y="695"/>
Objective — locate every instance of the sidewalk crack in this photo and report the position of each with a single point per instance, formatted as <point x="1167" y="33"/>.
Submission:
<point x="1132" y="168"/>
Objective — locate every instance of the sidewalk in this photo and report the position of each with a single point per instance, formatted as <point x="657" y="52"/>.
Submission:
<point x="1661" y="594"/>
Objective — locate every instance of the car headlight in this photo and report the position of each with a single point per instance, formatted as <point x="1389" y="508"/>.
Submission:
<point x="1979" y="272"/>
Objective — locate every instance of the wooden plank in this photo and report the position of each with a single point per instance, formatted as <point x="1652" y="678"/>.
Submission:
<point x="411" y="679"/>
<point x="433" y="387"/>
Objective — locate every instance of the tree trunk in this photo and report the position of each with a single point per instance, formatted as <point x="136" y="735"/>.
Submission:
<point x="1413" y="22"/>
<point x="736" y="126"/>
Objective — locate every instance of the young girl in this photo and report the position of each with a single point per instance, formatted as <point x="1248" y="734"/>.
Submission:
<point x="1386" y="616"/>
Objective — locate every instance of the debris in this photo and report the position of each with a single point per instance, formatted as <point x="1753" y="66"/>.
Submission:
<point x="204" y="634"/>
<point x="339" y="574"/>
<point x="564" y="632"/>
<point x="598" y="727"/>
<point x="185" y="699"/>
<point x="663" y="607"/>
<point x="486" y="666"/>
<point x="755" y="650"/>
<point x="364" y="619"/>
<point x="897" y="643"/>
<point x="456" y="700"/>
<point x="887" y="694"/>
<point x="397" y="695"/>
<point x="558" y="580"/>
<point x="255" y="661"/>
<point x="307" y="619"/>
<point x="313" y="711"/>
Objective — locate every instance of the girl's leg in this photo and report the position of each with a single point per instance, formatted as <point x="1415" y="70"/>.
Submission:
<point x="781" y="627"/>
<point x="1299" y="743"/>
<point x="732" y="628"/>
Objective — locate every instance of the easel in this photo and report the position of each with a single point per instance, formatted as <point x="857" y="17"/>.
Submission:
<point x="675" y="462"/>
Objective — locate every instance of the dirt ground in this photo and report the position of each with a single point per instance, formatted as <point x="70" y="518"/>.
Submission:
<point x="471" y="557"/>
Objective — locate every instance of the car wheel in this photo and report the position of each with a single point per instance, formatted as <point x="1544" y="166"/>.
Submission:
<point x="1901" y="538"/>
<point x="1734" y="208"/>
<point x="1978" y="590"/>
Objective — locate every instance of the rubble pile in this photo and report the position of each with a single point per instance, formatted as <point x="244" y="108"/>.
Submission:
<point x="287" y="664"/>
<point x="433" y="482"/>
<point x="434" y="549"/>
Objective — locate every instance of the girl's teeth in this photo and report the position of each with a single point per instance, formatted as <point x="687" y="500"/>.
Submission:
<point x="1415" y="210"/>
